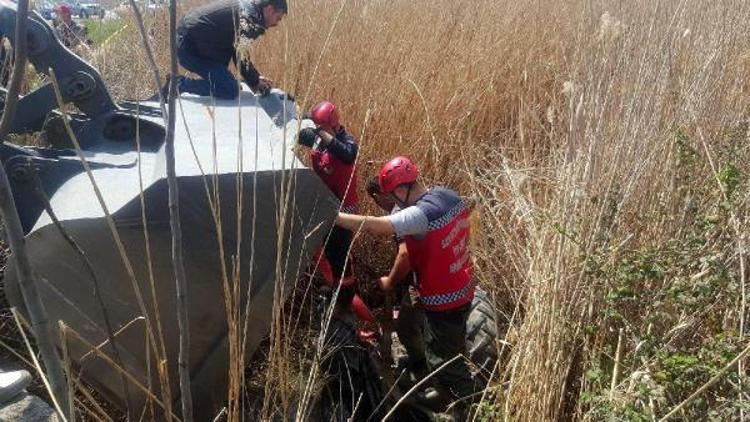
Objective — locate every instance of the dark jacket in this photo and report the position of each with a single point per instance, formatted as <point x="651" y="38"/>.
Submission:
<point x="335" y="165"/>
<point x="212" y="30"/>
<point x="343" y="146"/>
<point x="71" y="34"/>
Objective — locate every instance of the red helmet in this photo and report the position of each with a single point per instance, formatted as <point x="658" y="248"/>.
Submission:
<point x="326" y="115"/>
<point x="63" y="9"/>
<point x="397" y="172"/>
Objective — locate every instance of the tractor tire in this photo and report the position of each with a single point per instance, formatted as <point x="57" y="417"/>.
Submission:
<point x="482" y="333"/>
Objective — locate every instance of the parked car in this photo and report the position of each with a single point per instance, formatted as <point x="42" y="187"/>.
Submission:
<point x="144" y="5"/>
<point x="47" y="10"/>
<point x="88" y="9"/>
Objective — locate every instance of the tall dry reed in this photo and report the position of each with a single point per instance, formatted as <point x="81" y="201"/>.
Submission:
<point x="570" y="122"/>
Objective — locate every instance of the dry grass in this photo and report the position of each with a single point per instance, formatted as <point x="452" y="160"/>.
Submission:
<point x="562" y="117"/>
<point x="571" y="123"/>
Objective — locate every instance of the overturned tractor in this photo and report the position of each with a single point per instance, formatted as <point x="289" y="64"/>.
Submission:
<point x="228" y="159"/>
<point x="94" y="209"/>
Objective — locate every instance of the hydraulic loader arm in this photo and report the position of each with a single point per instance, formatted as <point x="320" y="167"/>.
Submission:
<point x="80" y="83"/>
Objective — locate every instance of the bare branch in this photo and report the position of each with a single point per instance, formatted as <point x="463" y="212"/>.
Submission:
<point x="183" y="359"/>
<point x="40" y="324"/>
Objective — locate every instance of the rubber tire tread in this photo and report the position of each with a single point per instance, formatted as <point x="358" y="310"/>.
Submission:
<point x="481" y="332"/>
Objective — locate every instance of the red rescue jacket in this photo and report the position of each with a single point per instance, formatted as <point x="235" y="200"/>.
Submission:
<point x="441" y="258"/>
<point x="335" y="165"/>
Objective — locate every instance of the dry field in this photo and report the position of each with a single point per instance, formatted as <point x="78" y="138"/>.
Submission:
<point x="606" y="143"/>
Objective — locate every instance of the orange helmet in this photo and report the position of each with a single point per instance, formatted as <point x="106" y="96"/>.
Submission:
<point x="326" y="115"/>
<point x="397" y="172"/>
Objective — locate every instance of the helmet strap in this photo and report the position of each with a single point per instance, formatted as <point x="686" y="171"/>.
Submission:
<point x="403" y="203"/>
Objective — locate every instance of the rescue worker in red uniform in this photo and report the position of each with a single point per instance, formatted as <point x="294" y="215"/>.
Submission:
<point x="410" y="315"/>
<point x="333" y="152"/>
<point x="434" y="224"/>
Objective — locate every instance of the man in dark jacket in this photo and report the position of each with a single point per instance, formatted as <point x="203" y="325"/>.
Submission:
<point x="207" y="38"/>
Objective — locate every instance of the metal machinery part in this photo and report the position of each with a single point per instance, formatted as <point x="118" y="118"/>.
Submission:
<point x="230" y="155"/>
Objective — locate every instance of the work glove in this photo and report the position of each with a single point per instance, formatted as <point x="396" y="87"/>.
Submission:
<point x="307" y="137"/>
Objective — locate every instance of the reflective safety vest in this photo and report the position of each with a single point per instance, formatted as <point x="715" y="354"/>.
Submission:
<point x="336" y="174"/>
<point x="441" y="258"/>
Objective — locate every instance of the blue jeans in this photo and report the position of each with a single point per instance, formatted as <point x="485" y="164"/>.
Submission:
<point x="215" y="79"/>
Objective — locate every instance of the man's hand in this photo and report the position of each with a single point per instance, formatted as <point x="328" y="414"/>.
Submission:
<point x="373" y="292"/>
<point x="325" y="137"/>
<point x="263" y="87"/>
<point x="385" y="283"/>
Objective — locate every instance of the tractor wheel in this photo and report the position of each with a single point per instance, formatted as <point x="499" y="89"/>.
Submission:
<point x="482" y="332"/>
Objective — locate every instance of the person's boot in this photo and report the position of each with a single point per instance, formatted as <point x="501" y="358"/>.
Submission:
<point x="415" y="370"/>
<point x="418" y="366"/>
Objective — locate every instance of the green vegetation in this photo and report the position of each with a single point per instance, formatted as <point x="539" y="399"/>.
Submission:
<point x="606" y="145"/>
<point x="100" y="30"/>
<point x="669" y="300"/>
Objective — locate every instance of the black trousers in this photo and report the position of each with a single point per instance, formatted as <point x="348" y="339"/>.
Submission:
<point x="336" y="252"/>
<point x="445" y="337"/>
